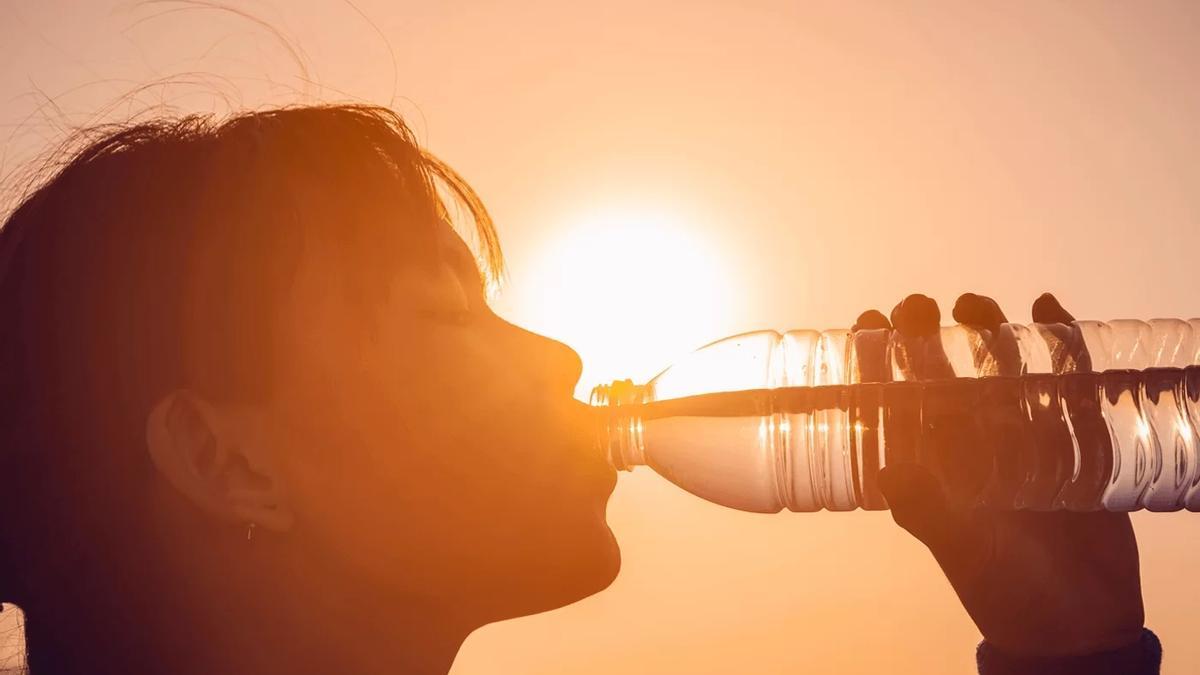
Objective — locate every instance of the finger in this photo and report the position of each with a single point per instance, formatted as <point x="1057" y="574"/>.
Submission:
<point x="919" y="354"/>
<point x="1071" y="352"/>
<point x="995" y="353"/>
<point x="978" y="311"/>
<point x="1047" y="309"/>
<point x="916" y="316"/>
<point x="867" y="359"/>
<point x="872" y="319"/>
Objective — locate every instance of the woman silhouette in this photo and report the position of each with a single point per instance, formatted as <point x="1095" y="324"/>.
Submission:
<point x="256" y="417"/>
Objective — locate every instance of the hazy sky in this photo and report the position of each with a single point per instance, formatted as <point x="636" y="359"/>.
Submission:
<point x="738" y="165"/>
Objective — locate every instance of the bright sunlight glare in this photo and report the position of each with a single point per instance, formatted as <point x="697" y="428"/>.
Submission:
<point x="630" y="290"/>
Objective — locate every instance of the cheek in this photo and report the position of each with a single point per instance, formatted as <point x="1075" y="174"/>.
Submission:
<point x="512" y="441"/>
<point x="410" y="462"/>
<point x="381" y="450"/>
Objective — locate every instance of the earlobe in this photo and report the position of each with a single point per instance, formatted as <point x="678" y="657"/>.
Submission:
<point x="217" y="459"/>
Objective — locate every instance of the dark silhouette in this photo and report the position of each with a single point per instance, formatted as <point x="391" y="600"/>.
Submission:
<point x="257" y="417"/>
<point x="1051" y="592"/>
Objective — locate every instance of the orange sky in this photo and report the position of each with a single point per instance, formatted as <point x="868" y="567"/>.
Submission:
<point x="818" y="159"/>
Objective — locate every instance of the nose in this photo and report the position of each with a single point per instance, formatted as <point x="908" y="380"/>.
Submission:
<point x="553" y="362"/>
<point x="564" y="364"/>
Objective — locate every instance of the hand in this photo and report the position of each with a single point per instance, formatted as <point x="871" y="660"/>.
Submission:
<point x="1037" y="584"/>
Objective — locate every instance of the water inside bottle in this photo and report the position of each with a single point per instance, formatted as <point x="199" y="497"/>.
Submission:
<point x="1118" y="440"/>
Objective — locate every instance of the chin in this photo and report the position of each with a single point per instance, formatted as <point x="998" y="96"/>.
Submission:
<point x="606" y="564"/>
<point x="586" y="570"/>
<point x="572" y="575"/>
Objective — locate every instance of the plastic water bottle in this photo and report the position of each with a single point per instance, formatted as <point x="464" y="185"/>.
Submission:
<point x="1083" y="416"/>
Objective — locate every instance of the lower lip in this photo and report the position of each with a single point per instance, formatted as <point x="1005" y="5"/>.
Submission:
<point x="611" y="474"/>
<point x="603" y="476"/>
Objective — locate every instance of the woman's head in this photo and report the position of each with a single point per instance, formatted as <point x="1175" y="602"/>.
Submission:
<point x="271" y="321"/>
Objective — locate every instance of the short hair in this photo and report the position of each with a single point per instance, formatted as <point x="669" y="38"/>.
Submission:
<point x="157" y="258"/>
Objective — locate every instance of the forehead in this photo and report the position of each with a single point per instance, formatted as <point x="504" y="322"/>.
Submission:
<point x="350" y="275"/>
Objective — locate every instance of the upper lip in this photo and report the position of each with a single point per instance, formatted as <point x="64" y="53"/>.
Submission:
<point x="588" y="421"/>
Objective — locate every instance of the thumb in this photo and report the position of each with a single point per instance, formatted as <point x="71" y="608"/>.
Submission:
<point x="918" y="503"/>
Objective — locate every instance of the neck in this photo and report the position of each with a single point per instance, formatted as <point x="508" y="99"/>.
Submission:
<point x="233" y="627"/>
<point x="346" y="630"/>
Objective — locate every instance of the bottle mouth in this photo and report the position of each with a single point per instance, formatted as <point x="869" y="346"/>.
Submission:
<point x="619" y="427"/>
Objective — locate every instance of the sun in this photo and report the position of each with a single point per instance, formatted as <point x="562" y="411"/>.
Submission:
<point x="630" y="289"/>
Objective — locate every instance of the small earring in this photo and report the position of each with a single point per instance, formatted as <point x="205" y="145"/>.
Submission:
<point x="250" y="531"/>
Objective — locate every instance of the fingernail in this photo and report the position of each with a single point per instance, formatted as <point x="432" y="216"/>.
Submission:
<point x="917" y="315"/>
<point x="1047" y="309"/>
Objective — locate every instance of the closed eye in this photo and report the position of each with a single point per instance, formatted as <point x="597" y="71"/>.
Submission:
<point x="467" y="270"/>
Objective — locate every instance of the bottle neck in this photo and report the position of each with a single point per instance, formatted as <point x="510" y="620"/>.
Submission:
<point x="619" y="428"/>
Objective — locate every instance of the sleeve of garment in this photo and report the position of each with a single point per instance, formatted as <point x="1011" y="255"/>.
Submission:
<point x="1140" y="658"/>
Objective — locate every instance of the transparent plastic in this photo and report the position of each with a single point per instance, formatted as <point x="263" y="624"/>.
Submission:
<point x="1084" y="416"/>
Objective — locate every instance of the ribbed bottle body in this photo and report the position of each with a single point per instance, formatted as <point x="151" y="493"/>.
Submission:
<point x="1083" y="417"/>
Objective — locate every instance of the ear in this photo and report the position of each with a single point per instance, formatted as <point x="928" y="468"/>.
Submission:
<point x="218" y="458"/>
